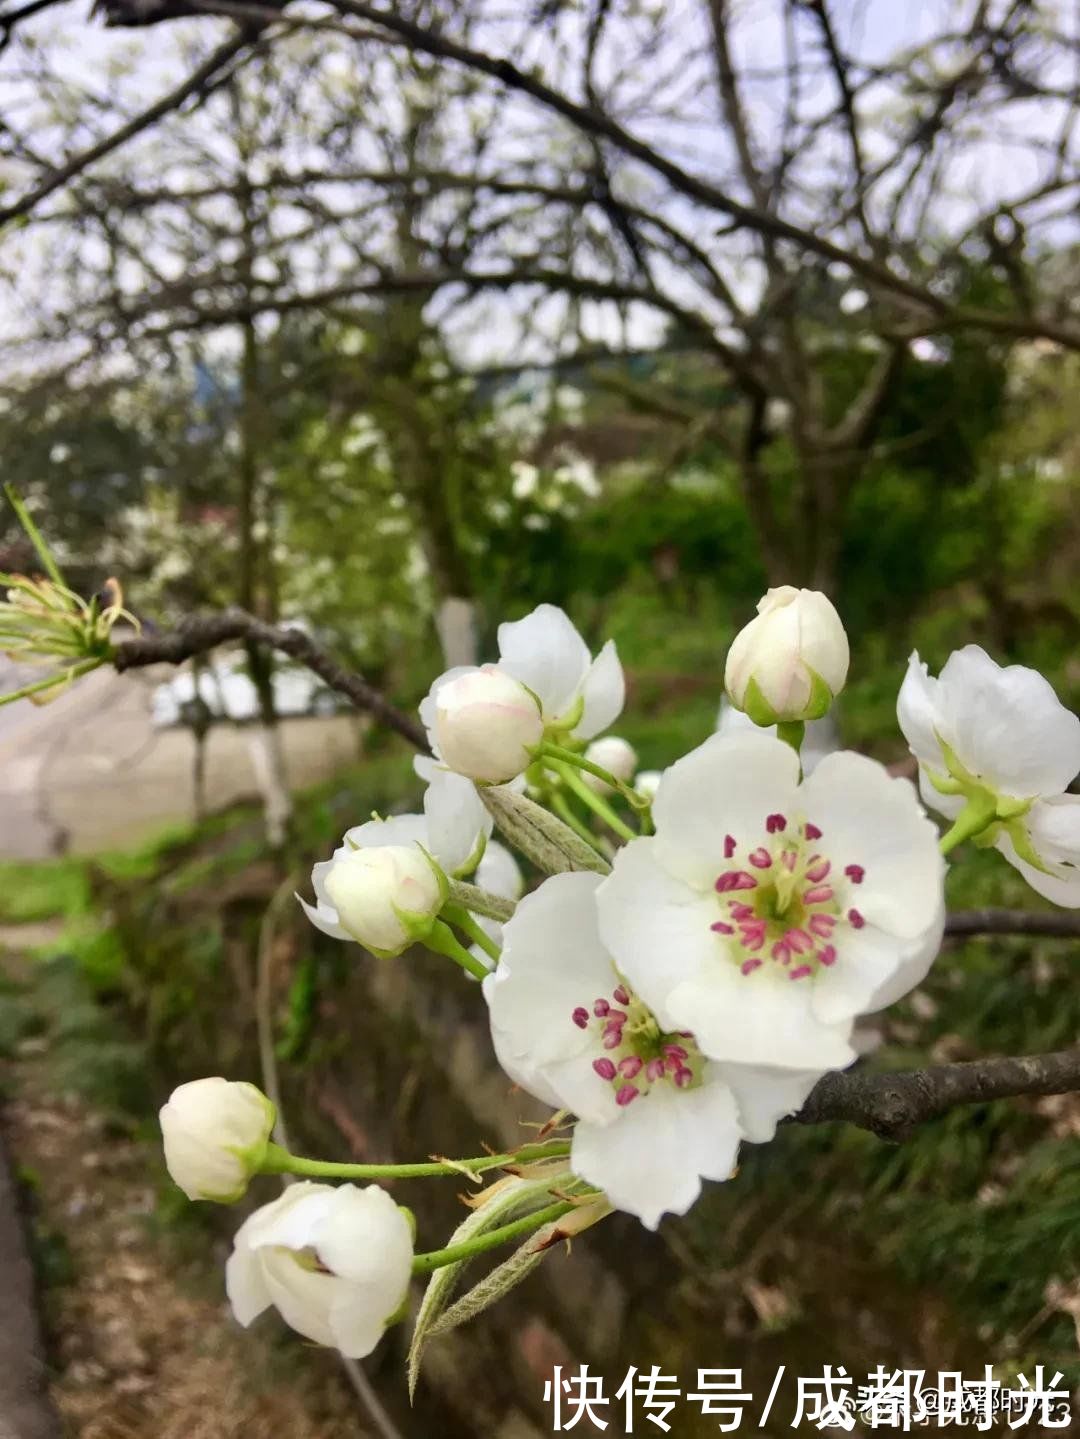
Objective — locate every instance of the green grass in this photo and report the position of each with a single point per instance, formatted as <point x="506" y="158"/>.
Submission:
<point x="51" y="889"/>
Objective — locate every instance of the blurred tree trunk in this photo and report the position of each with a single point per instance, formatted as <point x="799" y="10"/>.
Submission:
<point x="264" y="740"/>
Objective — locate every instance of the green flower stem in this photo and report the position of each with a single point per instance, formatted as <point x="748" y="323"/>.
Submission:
<point x="51" y="681"/>
<point x="443" y="940"/>
<point x="979" y="812"/>
<point x="791" y="732"/>
<point x="44" y="554"/>
<point x="438" y="1258"/>
<point x="596" y="802"/>
<point x="491" y="906"/>
<point x="562" y="807"/>
<point x="459" y="915"/>
<point x="558" y="752"/>
<point x="280" y="1161"/>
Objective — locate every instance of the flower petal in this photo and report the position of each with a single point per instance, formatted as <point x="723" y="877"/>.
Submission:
<point x="545" y="652"/>
<point x="651" y="1160"/>
<point x="325" y="918"/>
<point x="1008" y="726"/>
<point x="917" y="707"/>
<point x="656" y="926"/>
<point x="498" y="872"/>
<point x="455" y="820"/>
<point x="381" y="833"/>
<point x="728" y="785"/>
<point x="245" y="1286"/>
<point x="870" y="819"/>
<point x="873" y="970"/>
<point x="1054" y="830"/>
<point x="603" y="693"/>
<point x="765" y="1096"/>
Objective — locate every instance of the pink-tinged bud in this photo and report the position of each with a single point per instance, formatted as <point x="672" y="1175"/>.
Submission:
<point x="790" y="662"/>
<point x="486" y="723"/>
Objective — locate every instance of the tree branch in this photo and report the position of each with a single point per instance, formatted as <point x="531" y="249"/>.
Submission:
<point x="1063" y="925"/>
<point x="892" y="1105"/>
<point x="199" y="633"/>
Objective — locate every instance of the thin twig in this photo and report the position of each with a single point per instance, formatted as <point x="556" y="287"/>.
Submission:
<point x="199" y="633"/>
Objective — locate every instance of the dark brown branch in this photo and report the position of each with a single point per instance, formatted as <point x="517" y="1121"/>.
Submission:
<point x="199" y="633"/>
<point x="59" y="177"/>
<point x="1064" y="924"/>
<point x="892" y="1105"/>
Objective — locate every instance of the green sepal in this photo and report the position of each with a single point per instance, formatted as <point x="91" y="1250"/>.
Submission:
<point x="756" y="705"/>
<point x="821" y="697"/>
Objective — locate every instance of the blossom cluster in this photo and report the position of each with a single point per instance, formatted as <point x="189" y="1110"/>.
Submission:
<point x="696" y="955"/>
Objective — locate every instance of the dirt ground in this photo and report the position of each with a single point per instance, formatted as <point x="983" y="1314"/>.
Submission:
<point x="138" y="1338"/>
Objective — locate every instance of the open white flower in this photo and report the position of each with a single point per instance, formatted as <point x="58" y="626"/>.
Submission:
<point x="764" y="914"/>
<point x="334" y="1261"/>
<point x="655" y="1117"/>
<point x="1002" y="733"/>
<point x="791" y="661"/>
<point x="215" y="1133"/>
<point x="482" y="723"/>
<point x="580" y="695"/>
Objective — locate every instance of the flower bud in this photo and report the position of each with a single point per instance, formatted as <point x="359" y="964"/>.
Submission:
<point x="215" y="1134"/>
<point x="791" y="662"/>
<point x="486" y="722"/>
<point x="387" y="896"/>
<point x="615" y="755"/>
<point x="647" y="783"/>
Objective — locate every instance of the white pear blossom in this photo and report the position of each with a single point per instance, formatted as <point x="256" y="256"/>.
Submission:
<point x="979" y="727"/>
<point x="482" y="723"/>
<point x="791" y="662"/>
<point x="614" y="754"/>
<point x="580" y="696"/>
<point x="385" y="895"/>
<point x="334" y="1261"/>
<point x="766" y="914"/>
<point x="215" y="1133"/>
<point x="654" y="1115"/>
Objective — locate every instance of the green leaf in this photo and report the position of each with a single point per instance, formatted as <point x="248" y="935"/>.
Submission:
<point x="490" y="1289"/>
<point x="540" y="836"/>
<point x="502" y="1202"/>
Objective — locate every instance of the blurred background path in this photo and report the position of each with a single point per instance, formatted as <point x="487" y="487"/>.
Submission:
<point x="91" y="772"/>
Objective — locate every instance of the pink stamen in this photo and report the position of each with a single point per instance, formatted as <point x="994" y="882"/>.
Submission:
<point x="604" y="1068"/>
<point x="753" y="935"/>
<point x="855" y="919"/>
<point x="820" y="894"/>
<point x="761" y="859"/>
<point x="855" y="873"/>
<point x="799" y="940"/>
<point x="781" y="952"/>
<point x="683" y="1077"/>
<point x="774" y="823"/>
<point x="729" y="846"/>
<point x="600" y="1008"/>
<point x="630" y="1067"/>
<point x="803" y="972"/>
<point x="621" y="995"/>
<point x="821" y="925"/>
<point x="672" y="1062"/>
<point x="749" y="965"/>
<point x="740" y="911"/>
<point x="581" y="1017"/>
<point x="617" y="1016"/>
<point x="626" y="1095"/>
<point x="721" y="928"/>
<point x="676" y="1050"/>
<point x="827" y="955"/>
<point x="735" y="879"/>
<point x="817" y="869"/>
<point x="654" y="1070"/>
<point x="787" y="859"/>
<point x="612" y="1038"/>
<point x="811" y="831"/>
